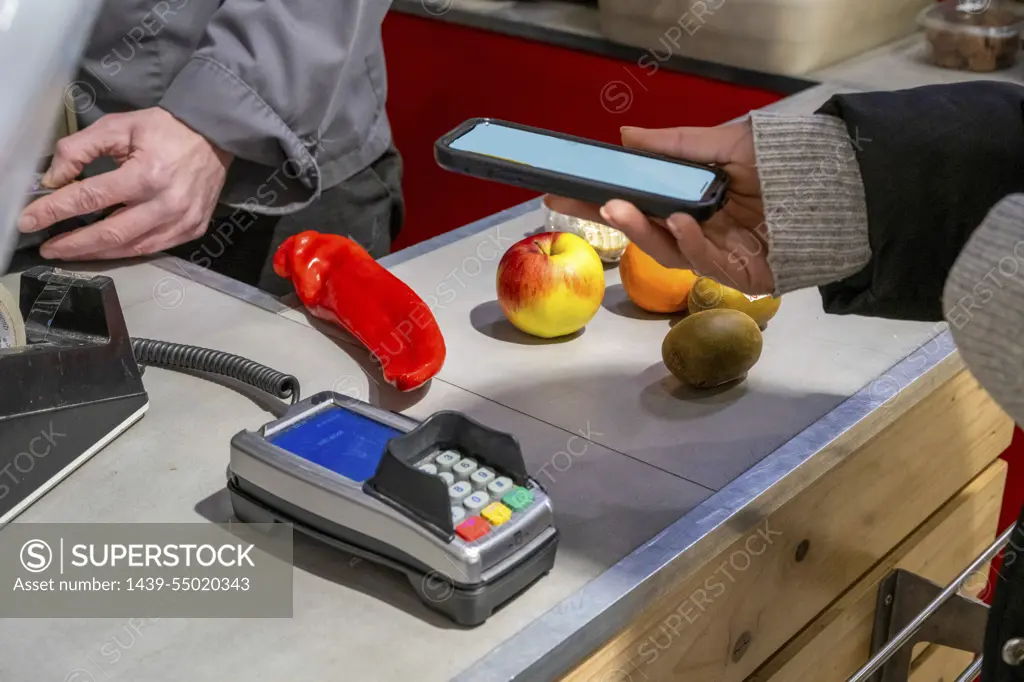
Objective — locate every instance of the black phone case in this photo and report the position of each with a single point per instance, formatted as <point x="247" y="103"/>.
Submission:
<point x="528" y="177"/>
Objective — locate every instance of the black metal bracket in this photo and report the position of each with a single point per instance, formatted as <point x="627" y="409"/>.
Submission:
<point x="73" y="385"/>
<point x="959" y="623"/>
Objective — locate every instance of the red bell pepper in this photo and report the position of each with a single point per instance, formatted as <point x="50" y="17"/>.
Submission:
<point x="338" y="281"/>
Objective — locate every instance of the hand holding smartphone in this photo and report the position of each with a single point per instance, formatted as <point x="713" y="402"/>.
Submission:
<point x="582" y="169"/>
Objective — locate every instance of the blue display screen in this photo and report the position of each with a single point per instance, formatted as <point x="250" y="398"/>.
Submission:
<point x="587" y="161"/>
<point x="343" y="441"/>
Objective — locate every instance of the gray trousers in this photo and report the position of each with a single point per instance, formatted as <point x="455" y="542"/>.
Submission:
<point x="368" y="207"/>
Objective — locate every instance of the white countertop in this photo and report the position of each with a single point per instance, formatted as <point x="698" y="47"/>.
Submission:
<point x="170" y="468"/>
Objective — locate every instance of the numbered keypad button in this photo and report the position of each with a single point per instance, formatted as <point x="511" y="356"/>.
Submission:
<point x="428" y="469"/>
<point x="481" y="477"/>
<point x="458" y="513"/>
<point x="464" y="469"/>
<point x="446" y="460"/>
<point x="447" y="477"/>
<point x="459" y="491"/>
<point x="476" y="501"/>
<point x="499" y="486"/>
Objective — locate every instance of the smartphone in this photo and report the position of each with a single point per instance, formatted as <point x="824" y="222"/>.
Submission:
<point x="578" y="168"/>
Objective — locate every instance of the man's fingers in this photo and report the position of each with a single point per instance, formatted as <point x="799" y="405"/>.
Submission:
<point x="693" y="243"/>
<point x="149" y="243"/>
<point x="652" y="239"/>
<point x="93" y="194"/>
<point x="625" y="217"/>
<point x="118" y="233"/>
<point x="700" y="145"/>
<point x="574" y="207"/>
<point x="74" y="152"/>
<point x="707" y="257"/>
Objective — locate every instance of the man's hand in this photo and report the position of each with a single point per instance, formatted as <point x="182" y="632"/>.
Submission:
<point x="167" y="184"/>
<point x="731" y="246"/>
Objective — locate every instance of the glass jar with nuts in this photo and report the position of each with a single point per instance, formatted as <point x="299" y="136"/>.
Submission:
<point x="973" y="35"/>
<point x="607" y="241"/>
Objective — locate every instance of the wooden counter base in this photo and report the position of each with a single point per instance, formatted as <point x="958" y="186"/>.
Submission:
<point x="838" y="641"/>
<point x="922" y="494"/>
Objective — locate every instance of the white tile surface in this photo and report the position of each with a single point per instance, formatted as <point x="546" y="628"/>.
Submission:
<point x="611" y="376"/>
<point x="904" y="64"/>
<point x="348" y="615"/>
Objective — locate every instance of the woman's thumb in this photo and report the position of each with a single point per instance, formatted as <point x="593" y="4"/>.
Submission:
<point x="700" y="145"/>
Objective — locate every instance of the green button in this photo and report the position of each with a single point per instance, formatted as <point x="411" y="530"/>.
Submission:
<point x="518" y="500"/>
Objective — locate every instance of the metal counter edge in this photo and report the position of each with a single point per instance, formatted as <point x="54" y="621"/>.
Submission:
<point x="550" y="646"/>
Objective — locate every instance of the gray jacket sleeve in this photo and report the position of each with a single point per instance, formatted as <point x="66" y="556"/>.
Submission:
<point x="264" y="83"/>
<point x="984" y="304"/>
<point x="816" y="220"/>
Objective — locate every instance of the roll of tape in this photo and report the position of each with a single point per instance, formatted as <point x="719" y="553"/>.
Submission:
<point x="12" y="326"/>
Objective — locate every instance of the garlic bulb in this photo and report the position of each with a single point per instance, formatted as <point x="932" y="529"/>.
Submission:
<point x="607" y="241"/>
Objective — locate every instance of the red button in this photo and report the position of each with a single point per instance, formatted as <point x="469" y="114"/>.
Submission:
<point x="472" y="528"/>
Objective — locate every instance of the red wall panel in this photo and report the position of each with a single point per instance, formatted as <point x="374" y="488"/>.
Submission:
<point x="440" y="74"/>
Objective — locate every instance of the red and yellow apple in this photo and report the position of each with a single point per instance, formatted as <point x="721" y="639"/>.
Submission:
<point x="550" y="284"/>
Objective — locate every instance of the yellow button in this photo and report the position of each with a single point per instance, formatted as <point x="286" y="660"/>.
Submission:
<point x="496" y="513"/>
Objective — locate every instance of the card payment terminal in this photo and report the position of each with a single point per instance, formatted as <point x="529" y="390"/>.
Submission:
<point x="447" y="501"/>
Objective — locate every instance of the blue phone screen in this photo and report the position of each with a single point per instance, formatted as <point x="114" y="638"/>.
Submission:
<point x="345" y="442"/>
<point x="586" y="161"/>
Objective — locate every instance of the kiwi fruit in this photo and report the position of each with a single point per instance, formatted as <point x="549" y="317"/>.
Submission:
<point x="712" y="347"/>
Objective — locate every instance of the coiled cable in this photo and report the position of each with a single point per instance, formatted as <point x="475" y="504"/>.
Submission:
<point x="180" y="356"/>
